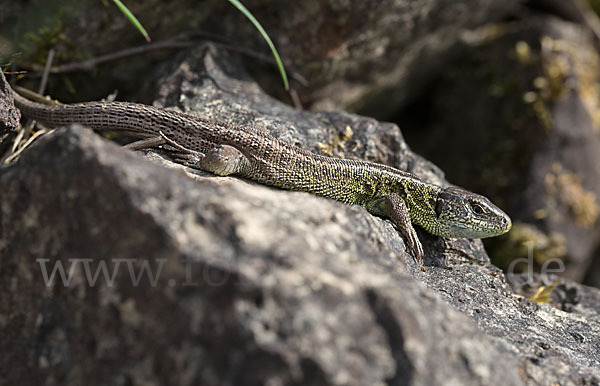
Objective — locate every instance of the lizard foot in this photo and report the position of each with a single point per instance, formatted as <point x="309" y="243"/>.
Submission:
<point x="413" y="244"/>
<point x="188" y="159"/>
<point x="182" y="154"/>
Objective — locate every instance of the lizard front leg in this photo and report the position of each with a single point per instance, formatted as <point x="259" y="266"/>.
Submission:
<point x="393" y="207"/>
<point x="396" y="210"/>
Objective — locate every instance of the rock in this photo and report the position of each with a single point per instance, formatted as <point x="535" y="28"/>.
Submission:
<point x="253" y="285"/>
<point x="283" y="287"/>
<point x="217" y="280"/>
<point x="9" y="116"/>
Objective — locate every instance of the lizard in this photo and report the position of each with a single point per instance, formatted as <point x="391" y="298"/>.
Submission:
<point x="246" y="152"/>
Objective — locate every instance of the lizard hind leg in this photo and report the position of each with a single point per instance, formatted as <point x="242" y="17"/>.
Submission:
<point x="225" y="160"/>
<point x="222" y="160"/>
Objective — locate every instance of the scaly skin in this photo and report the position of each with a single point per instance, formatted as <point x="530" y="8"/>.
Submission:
<point x="227" y="150"/>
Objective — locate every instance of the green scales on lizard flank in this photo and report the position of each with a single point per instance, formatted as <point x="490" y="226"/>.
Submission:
<point x="227" y="150"/>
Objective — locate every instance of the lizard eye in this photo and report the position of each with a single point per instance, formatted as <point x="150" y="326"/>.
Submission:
<point x="477" y="209"/>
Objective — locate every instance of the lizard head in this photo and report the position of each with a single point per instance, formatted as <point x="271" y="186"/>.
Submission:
<point x="462" y="214"/>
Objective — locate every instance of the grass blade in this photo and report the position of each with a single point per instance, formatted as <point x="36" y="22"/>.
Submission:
<point x="132" y="19"/>
<point x="260" y="29"/>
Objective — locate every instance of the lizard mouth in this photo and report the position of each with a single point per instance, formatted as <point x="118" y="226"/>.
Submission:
<point x="483" y="230"/>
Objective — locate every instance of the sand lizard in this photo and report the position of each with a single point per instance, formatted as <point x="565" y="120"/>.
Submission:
<point x="224" y="149"/>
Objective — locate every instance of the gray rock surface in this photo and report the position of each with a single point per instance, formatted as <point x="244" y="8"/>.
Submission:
<point x="9" y="115"/>
<point x="252" y="285"/>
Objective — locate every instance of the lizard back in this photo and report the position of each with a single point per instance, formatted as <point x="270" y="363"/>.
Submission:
<point x="274" y="162"/>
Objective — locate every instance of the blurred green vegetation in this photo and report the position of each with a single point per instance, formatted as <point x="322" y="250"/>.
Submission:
<point x="40" y="28"/>
<point x="595" y="4"/>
